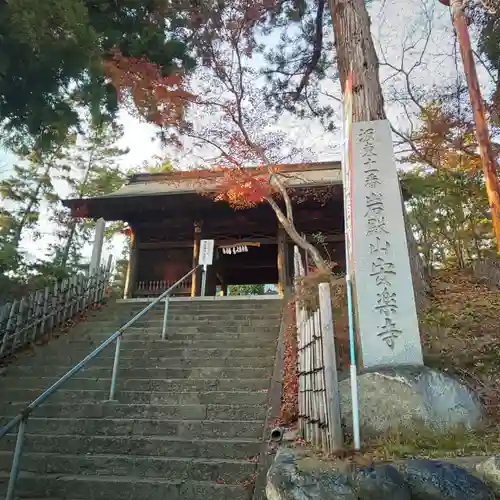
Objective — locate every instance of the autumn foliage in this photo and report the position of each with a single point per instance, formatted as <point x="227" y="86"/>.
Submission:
<point x="220" y="113"/>
<point x="157" y="98"/>
<point x="290" y="378"/>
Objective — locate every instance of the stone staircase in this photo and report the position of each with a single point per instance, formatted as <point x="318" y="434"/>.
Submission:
<point x="189" y="418"/>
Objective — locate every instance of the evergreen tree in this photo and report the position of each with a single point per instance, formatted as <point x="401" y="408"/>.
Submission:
<point x="95" y="171"/>
<point x="22" y="195"/>
<point x="488" y="38"/>
<point x="52" y="54"/>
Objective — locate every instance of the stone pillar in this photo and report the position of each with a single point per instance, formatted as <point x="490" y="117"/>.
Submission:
<point x="131" y="280"/>
<point x="282" y="260"/>
<point x="384" y="298"/>
<point x="196" y="281"/>
<point x="95" y="260"/>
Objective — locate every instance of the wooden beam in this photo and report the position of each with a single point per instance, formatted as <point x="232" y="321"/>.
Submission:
<point x="154" y="245"/>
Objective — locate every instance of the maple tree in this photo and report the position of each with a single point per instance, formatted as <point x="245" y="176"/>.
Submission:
<point x="241" y="130"/>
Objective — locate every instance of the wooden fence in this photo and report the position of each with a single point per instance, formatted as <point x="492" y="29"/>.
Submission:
<point x="24" y="321"/>
<point x="319" y="405"/>
<point x="155" y="288"/>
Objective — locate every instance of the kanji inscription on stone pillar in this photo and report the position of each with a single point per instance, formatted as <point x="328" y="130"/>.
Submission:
<point x="385" y="302"/>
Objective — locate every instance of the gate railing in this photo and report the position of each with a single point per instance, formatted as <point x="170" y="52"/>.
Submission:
<point x="319" y="405"/>
<point x="24" y="321"/>
<point x="154" y="288"/>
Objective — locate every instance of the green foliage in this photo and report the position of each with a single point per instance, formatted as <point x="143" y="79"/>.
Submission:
<point x="246" y="290"/>
<point x="23" y="194"/>
<point x="120" y="273"/>
<point x="95" y="172"/>
<point x="488" y="41"/>
<point x="162" y="166"/>
<point x="86" y="165"/>
<point x="299" y="62"/>
<point x="51" y="55"/>
<point x="448" y="212"/>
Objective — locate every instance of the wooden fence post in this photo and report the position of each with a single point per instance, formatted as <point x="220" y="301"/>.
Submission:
<point x="8" y="329"/>
<point x="45" y="310"/>
<point x="36" y="314"/>
<point x="330" y="367"/>
<point x="22" y="322"/>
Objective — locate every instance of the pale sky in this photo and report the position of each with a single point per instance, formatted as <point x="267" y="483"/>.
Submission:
<point x="395" y="24"/>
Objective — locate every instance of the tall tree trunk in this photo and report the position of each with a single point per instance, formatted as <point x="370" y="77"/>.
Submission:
<point x="355" y="49"/>
<point x="74" y="222"/>
<point x="299" y="240"/>
<point x="68" y="243"/>
<point x="29" y="209"/>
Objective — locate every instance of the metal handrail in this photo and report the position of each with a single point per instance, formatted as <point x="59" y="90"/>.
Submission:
<point x="23" y="416"/>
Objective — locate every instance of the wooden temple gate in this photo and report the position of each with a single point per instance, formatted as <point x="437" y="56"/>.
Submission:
<point x="167" y="220"/>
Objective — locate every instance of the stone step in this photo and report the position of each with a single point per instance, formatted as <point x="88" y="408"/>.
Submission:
<point x="258" y="337"/>
<point x="162" y="385"/>
<point x="177" y="342"/>
<point x="182" y="469"/>
<point x="174" y="309"/>
<point x="183" y="317"/>
<point x="253" y="338"/>
<point x="127" y="373"/>
<point x="115" y="487"/>
<point x="203" y="305"/>
<point x="158" y="350"/>
<point x="118" y="410"/>
<point x="200" y="304"/>
<point x="139" y="397"/>
<point x="185" y="328"/>
<point x="219" y="321"/>
<point x="155" y="361"/>
<point x="164" y="446"/>
<point x="187" y="429"/>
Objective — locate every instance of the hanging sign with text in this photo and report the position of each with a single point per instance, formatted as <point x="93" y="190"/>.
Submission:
<point x="385" y="301"/>
<point x="206" y="253"/>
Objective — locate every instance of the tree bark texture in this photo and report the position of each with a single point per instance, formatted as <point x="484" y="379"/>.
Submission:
<point x="355" y="50"/>
<point x="299" y="240"/>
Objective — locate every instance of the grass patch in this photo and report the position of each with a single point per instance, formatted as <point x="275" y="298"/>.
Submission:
<point x="425" y="444"/>
<point x="396" y="446"/>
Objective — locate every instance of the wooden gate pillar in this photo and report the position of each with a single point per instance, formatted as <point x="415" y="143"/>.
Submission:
<point x="196" y="281"/>
<point x="282" y="260"/>
<point x="131" y="279"/>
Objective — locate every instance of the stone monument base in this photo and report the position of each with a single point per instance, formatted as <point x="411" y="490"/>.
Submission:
<point x="293" y="478"/>
<point x="408" y="399"/>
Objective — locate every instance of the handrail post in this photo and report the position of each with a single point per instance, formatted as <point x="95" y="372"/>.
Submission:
<point x="14" y="471"/>
<point x="165" y="316"/>
<point x="114" y="375"/>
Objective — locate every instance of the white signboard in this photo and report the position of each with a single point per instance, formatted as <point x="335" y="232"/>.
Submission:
<point x="385" y="301"/>
<point x="206" y="253"/>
